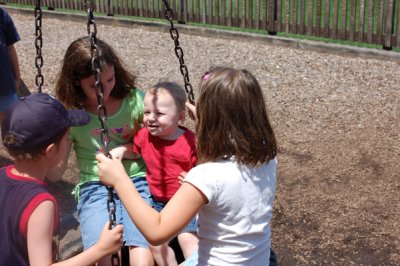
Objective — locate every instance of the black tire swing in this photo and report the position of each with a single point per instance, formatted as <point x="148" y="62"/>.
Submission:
<point x="101" y="109"/>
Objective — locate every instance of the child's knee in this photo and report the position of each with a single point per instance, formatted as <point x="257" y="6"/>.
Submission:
<point x="188" y="243"/>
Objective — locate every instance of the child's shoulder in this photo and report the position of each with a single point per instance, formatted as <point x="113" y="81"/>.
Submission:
<point x="188" y="133"/>
<point x="187" y="130"/>
<point x="134" y="99"/>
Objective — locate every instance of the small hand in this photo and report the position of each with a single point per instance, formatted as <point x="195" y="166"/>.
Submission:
<point x="191" y="109"/>
<point x="124" y="152"/>
<point x="118" y="152"/>
<point x="182" y="177"/>
<point x="110" y="240"/>
<point x="110" y="170"/>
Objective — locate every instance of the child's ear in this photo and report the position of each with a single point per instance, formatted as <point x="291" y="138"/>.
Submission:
<point x="50" y="150"/>
<point x="182" y="116"/>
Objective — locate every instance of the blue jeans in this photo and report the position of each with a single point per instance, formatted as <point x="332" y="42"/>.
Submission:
<point x="192" y="260"/>
<point x="93" y="213"/>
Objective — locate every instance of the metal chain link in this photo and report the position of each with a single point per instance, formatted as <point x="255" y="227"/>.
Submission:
<point x="102" y="115"/>
<point x="169" y="14"/>
<point x="38" y="44"/>
<point x="39" y="83"/>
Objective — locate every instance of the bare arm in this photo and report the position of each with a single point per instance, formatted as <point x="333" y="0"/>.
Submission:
<point x="157" y="227"/>
<point x="58" y="171"/>
<point x="110" y="241"/>
<point x="192" y="110"/>
<point x="39" y="238"/>
<point x="124" y="152"/>
<point x="15" y="65"/>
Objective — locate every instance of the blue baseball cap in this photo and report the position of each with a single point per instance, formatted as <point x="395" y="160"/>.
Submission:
<point x="35" y="121"/>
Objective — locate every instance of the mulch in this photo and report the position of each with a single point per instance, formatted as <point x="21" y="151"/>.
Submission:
<point x="336" y="118"/>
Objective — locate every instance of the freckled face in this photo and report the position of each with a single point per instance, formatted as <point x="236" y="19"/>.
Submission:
<point x="161" y="116"/>
<point x="107" y="79"/>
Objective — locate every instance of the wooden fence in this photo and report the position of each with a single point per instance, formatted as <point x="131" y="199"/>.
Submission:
<point x="365" y="21"/>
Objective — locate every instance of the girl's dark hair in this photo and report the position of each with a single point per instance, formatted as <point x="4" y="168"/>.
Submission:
<point x="77" y="64"/>
<point x="232" y="118"/>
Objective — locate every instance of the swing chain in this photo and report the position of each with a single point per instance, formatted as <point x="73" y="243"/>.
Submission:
<point x="38" y="44"/>
<point x="169" y="14"/>
<point x="102" y="115"/>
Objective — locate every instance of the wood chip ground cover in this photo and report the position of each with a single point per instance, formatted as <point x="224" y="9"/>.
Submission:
<point x="336" y="119"/>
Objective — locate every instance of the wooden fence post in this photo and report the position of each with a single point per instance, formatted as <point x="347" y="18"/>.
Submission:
<point x="182" y="12"/>
<point x="272" y="16"/>
<point x="110" y="8"/>
<point x="389" y="27"/>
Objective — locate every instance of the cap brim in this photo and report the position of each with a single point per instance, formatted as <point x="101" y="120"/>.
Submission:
<point x="78" y="118"/>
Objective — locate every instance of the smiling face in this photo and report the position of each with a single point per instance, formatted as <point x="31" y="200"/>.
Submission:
<point x="88" y="85"/>
<point x="161" y="115"/>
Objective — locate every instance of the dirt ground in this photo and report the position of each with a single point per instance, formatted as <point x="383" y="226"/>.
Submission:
<point x="336" y="118"/>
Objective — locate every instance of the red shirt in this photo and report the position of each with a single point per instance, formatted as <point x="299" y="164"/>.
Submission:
<point x="165" y="160"/>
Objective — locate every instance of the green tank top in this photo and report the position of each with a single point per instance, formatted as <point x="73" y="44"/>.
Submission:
<point x="122" y="126"/>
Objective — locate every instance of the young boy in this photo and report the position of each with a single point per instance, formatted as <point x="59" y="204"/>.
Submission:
<point x="168" y="150"/>
<point x="35" y="131"/>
